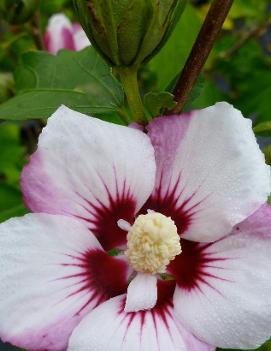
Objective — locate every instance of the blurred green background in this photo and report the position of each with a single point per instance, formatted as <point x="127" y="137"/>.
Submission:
<point x="238" y="71"/>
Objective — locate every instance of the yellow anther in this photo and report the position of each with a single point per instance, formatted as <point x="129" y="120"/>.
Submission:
<point x="153" y="242"/>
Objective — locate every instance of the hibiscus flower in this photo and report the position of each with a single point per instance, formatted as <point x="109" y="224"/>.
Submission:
<point x="62" y="34"/>
<point x="140" y="241"/>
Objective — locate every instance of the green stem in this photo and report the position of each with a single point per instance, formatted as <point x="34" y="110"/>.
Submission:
<point x="128" y="77"/>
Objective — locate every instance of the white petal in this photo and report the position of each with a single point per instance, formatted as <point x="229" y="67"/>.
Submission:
<point x="211" y="173"/>
<point x="49" y="279"/>
<point x="81" y="41"/>
<point x="109" y="328"/>
<point x="97" y="171"/>
<point x="141" y="293"/>
<point x="230" y="305"/>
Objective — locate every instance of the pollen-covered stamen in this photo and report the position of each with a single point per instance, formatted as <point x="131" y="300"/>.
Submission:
<point x="124" y="225"/>
<point x="153" y="242"/>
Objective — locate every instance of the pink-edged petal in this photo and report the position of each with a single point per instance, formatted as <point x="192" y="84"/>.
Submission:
<point x="259" y="223"/>
<point x="108" y="327"/>
<point x="59" y="34"/>
<point x="141" y="293"/>
<point x="229" y="306"/>
<point x="211" y="173"/>
<point x="80" y="39"/>
<point x="96" y="171"/>
<point x="52" y="273"/>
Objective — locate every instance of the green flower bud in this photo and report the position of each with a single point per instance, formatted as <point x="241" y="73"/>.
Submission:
<point x="18" y="11"/>
<point x="128" y="32"/>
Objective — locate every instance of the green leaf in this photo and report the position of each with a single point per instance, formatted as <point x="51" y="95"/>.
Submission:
<point x="267" y="155"/>
<point x="209" y="95"/>
<point x="156" y="103"/>
<point x="41" y="103"/>
<point x="196" y="92"/>
<point x="247" y="9"/>
<point x="70" y="70"/>
<point x="10" y="202"/>
<point x="170" y="60"/>
<point x="247" y="74"/>
<point x="51" y="7"/>
<point x="259" y="102"/>
<point x="263" y="129"/>
<point x="80" y="80"/>
<point x="12" y="153"/>
<point x="11" y="162"/>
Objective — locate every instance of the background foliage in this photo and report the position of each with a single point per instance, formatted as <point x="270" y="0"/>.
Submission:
<point x="34" y="83"/>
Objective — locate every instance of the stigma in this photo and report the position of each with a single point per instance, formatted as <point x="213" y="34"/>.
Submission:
<point x="153" y="241"/>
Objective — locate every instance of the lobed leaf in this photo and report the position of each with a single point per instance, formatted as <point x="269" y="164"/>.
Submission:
<point x="80" y="80"/>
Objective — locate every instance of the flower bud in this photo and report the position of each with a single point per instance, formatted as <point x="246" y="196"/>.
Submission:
<point x="126" y="32"/>
<point x="62" y="34"/>
<point x="17" y="11"/>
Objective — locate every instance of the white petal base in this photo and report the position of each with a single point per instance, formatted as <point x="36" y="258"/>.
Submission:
<point x="141" y="293"/>
<point x="108" y="327"/>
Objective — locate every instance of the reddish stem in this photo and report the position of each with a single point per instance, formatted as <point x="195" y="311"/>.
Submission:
<point x="200" y="52"/>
